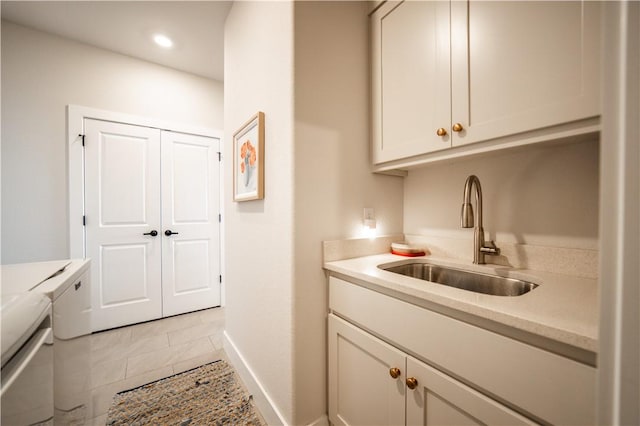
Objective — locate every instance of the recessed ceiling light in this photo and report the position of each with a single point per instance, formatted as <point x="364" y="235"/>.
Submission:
<point x="163" y="41"/>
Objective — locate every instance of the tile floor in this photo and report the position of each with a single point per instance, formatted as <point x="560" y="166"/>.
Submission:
<point x="128" y="357"/>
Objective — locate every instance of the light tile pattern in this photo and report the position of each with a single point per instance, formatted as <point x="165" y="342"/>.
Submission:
<point x="128" y="357"/>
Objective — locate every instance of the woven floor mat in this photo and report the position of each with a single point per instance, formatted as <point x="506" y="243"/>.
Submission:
<point x="208" y="395"/>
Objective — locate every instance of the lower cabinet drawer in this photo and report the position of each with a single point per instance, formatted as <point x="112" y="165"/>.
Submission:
<point x="536" y="382"/>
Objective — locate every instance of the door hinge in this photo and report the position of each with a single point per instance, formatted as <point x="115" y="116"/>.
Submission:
<point x="220" y="218"/>
<point x="220" y="278"/>
<point x="84" y="221"/>
<point x="82" y="136"/>
<point x="219" y="156"/>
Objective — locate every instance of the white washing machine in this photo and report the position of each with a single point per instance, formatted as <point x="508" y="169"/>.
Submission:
<point x="66" y="284"/>
<point x="26" y="380"/>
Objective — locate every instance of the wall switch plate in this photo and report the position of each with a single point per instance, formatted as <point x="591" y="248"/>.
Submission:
<point x="369" y="218"/>
<point x="369" y="213"/>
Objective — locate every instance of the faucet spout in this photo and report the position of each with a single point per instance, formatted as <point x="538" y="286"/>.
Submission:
<point x="466" y="217"/>
<point x="480" y="247"/>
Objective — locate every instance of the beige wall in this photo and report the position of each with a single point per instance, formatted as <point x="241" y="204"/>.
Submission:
<point x="333" y="182"/>
<point x="259" y="247"/>
<point x="543" y="195"/>
<point x="41" y="74"/>
<point x="312" y="84"/>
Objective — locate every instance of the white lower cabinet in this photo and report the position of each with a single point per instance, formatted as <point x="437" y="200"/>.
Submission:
<point x="438" y="399"/>
<point x="361" y="391"/>
<point x="373" y="383"/>
<point x="447" y="372"/>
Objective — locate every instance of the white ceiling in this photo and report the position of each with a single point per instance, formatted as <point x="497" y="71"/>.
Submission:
<point x="196" y="27"/>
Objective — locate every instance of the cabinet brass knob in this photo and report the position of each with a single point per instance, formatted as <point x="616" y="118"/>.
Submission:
<point x="457" y="127"/>
<point x="394" y="372"/>
<point x="412" y="383"/>
<point x="441" y="131"/>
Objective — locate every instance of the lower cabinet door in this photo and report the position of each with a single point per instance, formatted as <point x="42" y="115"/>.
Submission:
<point x="366" y="378"/>
<point x="438" y="399"/>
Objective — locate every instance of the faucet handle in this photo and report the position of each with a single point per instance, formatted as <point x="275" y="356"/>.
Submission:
<point x="489" y="247"/>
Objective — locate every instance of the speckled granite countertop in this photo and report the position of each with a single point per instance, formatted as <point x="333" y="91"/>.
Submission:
<point x="563" y="309"/>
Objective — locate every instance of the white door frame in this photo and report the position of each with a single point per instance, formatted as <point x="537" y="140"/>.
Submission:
<point x="75" y="169"/>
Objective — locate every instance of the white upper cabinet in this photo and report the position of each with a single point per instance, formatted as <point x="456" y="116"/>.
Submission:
<point x="520" y="65"/>
<point x="412" y="95"/>
<point x="446" y="74"/>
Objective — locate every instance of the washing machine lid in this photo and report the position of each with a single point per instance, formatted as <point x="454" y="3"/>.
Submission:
<point x="22" y="277"/>
<point x="21" y="315"/>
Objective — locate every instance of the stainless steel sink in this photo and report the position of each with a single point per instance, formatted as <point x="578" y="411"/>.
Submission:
<point x="466" y="280"/>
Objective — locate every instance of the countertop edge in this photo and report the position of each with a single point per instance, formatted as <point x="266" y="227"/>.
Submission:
<point x="577" y="344"/>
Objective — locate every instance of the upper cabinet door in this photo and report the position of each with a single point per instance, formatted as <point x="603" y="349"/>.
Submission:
<point x="523" y="65"/>
<point x="410" y="78"/>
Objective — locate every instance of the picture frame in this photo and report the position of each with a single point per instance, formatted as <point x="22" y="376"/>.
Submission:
<point x="248" y="160"/>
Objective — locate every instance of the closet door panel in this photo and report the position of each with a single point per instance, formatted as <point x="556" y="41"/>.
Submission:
<point x="190" y="209"/>
<point x="122" y="203"/>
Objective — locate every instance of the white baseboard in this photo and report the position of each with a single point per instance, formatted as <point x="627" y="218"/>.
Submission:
<point x="320" y="421"/>
<point x="265" y="404"/>
<point x="262" y="400"/>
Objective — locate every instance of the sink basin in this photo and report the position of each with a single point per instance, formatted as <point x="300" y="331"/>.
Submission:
<point x="466" y="280"/>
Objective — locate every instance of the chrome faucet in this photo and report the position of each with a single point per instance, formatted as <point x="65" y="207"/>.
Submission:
<point x="480" y="247"/>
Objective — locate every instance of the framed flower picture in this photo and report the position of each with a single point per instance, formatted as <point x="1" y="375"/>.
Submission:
<point x="248" y="160"/>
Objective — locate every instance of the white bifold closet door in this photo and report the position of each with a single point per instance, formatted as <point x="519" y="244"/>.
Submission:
<point x="152" y="230"/>
<point x="191" y="256"/>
